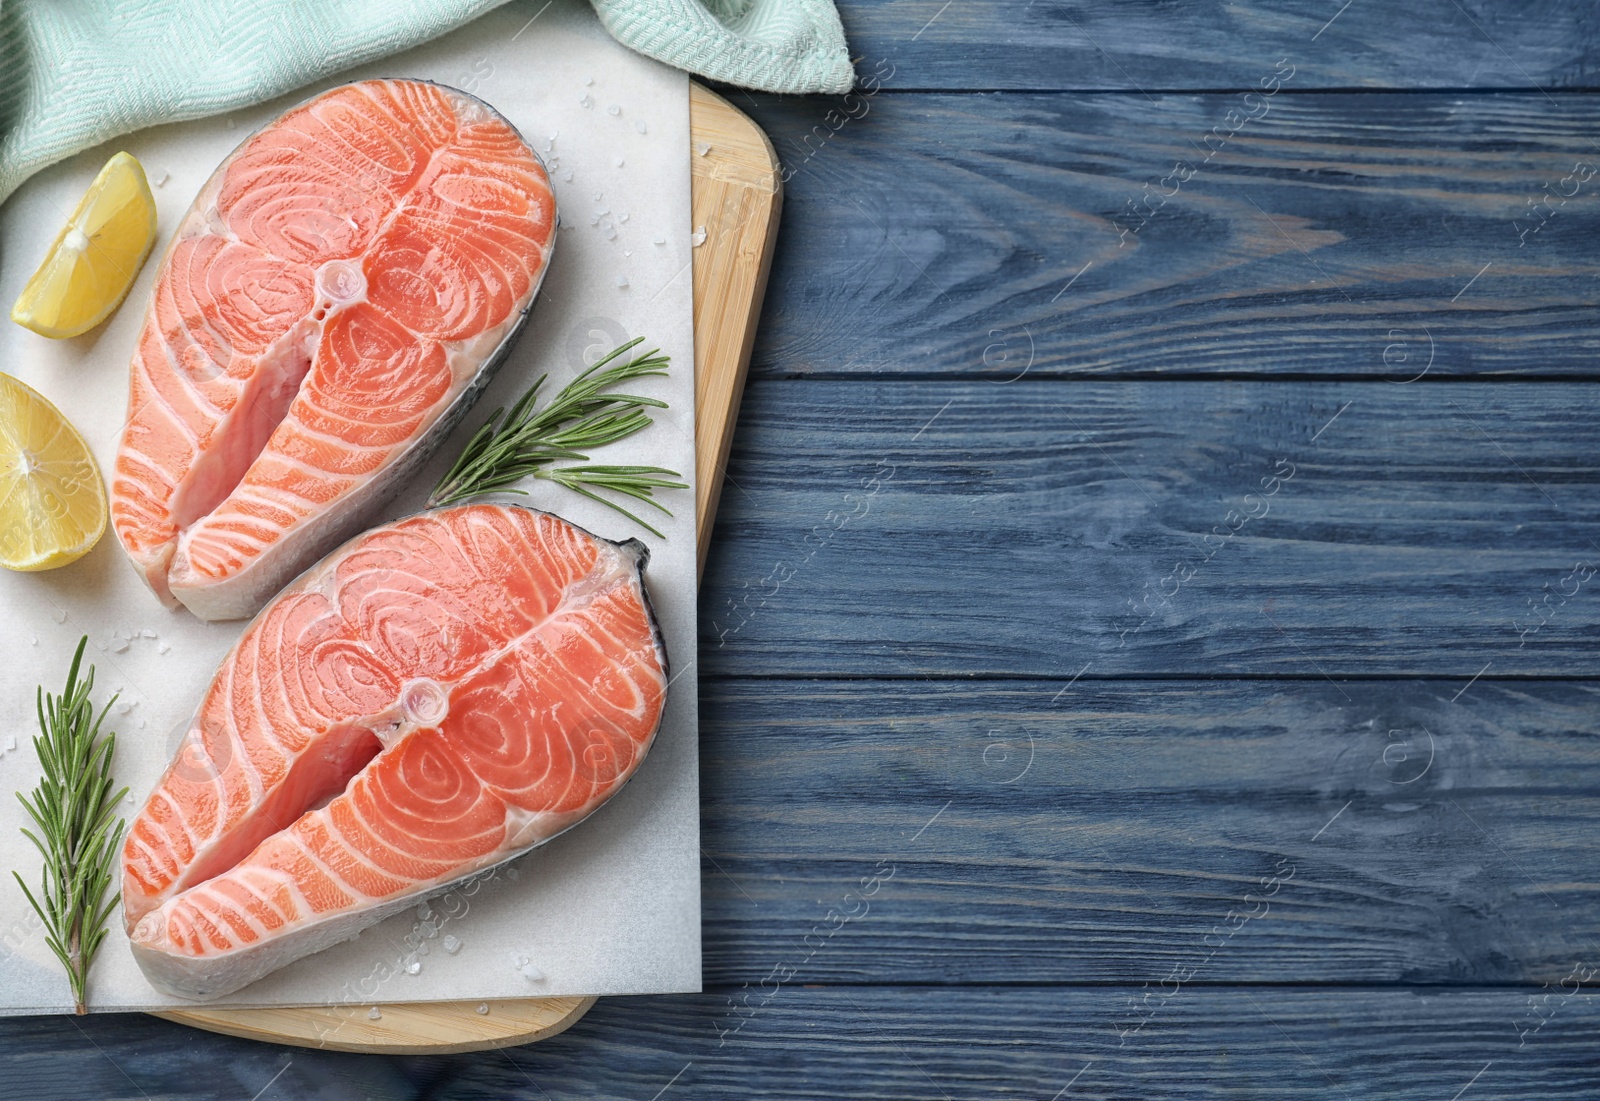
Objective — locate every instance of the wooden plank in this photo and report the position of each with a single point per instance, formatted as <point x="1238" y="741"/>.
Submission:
<point x="899" y="1042"/>
<point x="1115" y="832"/>
<point x="969" y="529"/>
<point x="1104" y="44"/>
<point x="1359" y="236"/>
<point x="735" y="196"/>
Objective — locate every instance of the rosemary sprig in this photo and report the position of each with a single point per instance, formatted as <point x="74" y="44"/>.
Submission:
<point x="72" y="809"/>
<point x="515" y="444"/>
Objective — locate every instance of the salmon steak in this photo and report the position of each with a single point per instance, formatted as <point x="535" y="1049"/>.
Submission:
<point x="338" y="294"/>
<point x="437" y="696"/>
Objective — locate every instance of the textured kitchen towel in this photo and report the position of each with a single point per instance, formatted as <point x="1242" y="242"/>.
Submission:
<point x="74" y="73"/>
<point x="774" y="45"/>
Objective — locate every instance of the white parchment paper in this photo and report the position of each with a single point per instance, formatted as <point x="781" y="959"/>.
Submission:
<point x="614" y="905"/>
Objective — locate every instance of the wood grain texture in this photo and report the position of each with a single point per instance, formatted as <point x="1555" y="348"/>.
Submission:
<point x="1101" y="45"/>
<point x="406" y="1028"/>
<point x="1328" y="235"/>
<point x="735" y="197"/>
<point x="970" y="529"/>
<point x="957" y="1043"/>
<point x="1120" y="831"/>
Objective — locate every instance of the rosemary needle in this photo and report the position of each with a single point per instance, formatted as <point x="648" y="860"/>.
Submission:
<point x="72" y="809"/>
<point x="521" y="442"/>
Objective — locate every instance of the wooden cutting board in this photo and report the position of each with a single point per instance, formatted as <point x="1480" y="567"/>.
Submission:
<point x="735" y="194"/>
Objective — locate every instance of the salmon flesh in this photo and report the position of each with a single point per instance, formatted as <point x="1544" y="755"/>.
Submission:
<point x="340" y="291"/>
<point x="437" y="696"/>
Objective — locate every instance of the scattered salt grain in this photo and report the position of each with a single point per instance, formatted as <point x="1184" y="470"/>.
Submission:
<point x="422" y="949"/>
<point x="702" y="148"/>
<point x="36" y="640"/>
<point x="619" y="162"/>
<point x="11" y="742"/>
<point x="627" y="252"/>
<point x="588" y="80"/>
<point x="640" y="126"/>
<point x="554" y="134"/>
<point x="452" y="943"/>
<point x="613" y="110"/>
<point x="141" y="724"/>
<point x="428" y="929"/>
<point x="531" y="973"/>
<point x="424" y="911"/>
<point x="59" y="615"/>
<point x="374" y="1014"/>
<point x="699" y="237"/>
<point x="483" y="1007"/>
<point x="622" y="280"/>
<point x="660" y="240"/>
<point x="598" y="195"/>
<point x="147" y="633"/>
<point x="413" y="967"/>
<point x="162" y="648"/>
<point x="513" y="872"/>
<point x="567" y="176"/>
<point x="594" y="219"/>
<point x="622" y="217"/>
<point x="611" y="233"/>
<point x="162" y="182"/>
<point x="120" y="646"/>
<point x="586" y="102"/>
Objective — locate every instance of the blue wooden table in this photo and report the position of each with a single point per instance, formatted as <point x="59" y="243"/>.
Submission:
<point x="1148" y="646"/>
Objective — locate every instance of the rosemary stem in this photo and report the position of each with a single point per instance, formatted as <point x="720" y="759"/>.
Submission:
<point x="586" y="414"/>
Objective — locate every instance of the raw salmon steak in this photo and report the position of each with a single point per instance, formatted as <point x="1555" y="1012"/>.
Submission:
<point x="437" y="696"/>
<point x="335" y="299"/>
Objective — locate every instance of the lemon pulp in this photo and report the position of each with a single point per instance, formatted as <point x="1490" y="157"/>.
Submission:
<point x="52" y="501"/>
<point x="95" y="257"/>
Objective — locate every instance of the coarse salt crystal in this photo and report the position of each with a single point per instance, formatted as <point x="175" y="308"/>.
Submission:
<point x="702" y="148"/>
<point x="531" y="973"/>
<point x="699" y="237"/>
<point x="374" y="1014"/>
<point x="613" y="110"/>
<point x="452" y="943"/>
<point x="640" y="126"/>
<point x="622" y="280"/>
<point x="586" y="102"/>
<point x="483" y="1007"/>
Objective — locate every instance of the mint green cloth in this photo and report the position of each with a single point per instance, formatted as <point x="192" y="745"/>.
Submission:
<point x="75" y="73"/>
<point x="775" y="45"/>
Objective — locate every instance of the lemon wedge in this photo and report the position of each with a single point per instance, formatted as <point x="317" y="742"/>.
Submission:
<point x="52" y="501"/>
<point x="93" y="261"/>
